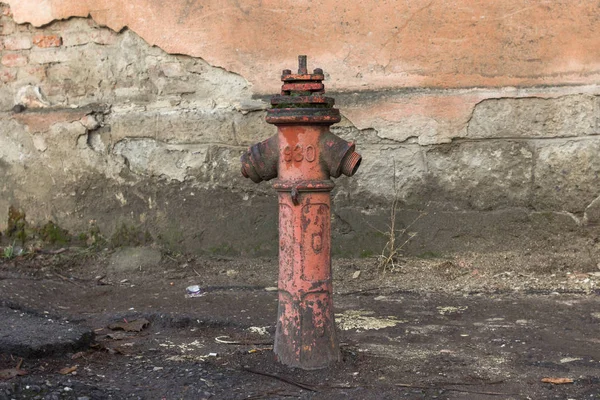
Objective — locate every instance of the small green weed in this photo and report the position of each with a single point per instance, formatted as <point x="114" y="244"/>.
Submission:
<point x="9" y="251"/>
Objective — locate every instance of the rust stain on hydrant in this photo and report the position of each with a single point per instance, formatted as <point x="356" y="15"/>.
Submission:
<point x="303" y="155"/>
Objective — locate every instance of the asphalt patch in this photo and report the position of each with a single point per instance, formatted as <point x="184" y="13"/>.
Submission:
<point x="28" y="335"/>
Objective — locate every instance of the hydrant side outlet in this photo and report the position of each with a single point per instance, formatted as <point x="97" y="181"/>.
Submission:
<point x="260" y="162"/>
<point x="303" y="156"/>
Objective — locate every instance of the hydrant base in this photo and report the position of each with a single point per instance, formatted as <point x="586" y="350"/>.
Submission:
<point x="296" y="345"/>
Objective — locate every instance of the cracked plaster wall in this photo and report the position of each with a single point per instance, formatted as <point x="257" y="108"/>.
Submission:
<point x="118" y="131"/>
<point x="369" y="45"/>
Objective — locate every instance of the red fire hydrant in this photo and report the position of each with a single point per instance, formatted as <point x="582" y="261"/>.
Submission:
<point x="303" y="155"/>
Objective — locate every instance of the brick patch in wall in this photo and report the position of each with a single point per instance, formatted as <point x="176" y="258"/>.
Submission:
<point x="98" y="36"/>
<point x="42" y="121"/>
<point x="7" y="28"/>
<point x="104" y="36"/>
<point x="14" y="60"/>
<point x="76" y="39"/>
<point x="7" y="75"/>
<point x="17" y="43"/>
<point x="36" y="71"/>
<point x="48" y="56"/>
<point x="47" y="40"/>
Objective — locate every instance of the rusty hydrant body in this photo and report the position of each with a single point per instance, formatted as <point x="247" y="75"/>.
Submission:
<point x="303" y="155"/>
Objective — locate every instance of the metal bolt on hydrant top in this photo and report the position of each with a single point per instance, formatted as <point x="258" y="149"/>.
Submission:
<point x="303" y="156"/>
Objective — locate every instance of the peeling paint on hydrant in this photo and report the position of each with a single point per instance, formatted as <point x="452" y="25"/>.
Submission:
<point x="303" y="155"/>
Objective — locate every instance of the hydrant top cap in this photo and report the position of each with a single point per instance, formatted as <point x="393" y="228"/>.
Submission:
<point x="302" y="100"/>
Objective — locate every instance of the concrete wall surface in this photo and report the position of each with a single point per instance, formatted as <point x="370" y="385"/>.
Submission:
<point x="480" y="118"/>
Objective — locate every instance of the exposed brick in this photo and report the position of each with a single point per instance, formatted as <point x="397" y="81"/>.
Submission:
<point x="90" y="122"/>
<point x="76" y="38"/>
<point x="42" y="121"/>
<point x="36" y="71"/>
<point x="47" y="56"/>
<point x="14" y="60"/>
<point x="104" y="36"/>
<point x="7" y="27"/>
<point x="47" y="40"/>
<point x="17" y="43"/>
<point x="7" y="75"/>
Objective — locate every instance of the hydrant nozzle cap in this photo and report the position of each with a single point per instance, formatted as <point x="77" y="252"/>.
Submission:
<point x="351" y="163"/>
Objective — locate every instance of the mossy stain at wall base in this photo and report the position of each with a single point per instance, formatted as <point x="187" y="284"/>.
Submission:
<point x="16" y="224"/>
<point x="129" y="235"/>
<point x="54" y="234"/>
<point x="22" y="231"/>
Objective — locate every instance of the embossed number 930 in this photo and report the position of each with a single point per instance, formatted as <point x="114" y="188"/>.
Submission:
<point x="299" y="153"/>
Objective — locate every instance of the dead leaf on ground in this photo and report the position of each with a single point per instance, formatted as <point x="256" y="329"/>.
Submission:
<point x="557" y="381"/>
<point x="77" y="355"/>
<point x="6" y="374"/>
<point x="68" y="370"/>
<point x="134" y="326"/>
<point x="117" y="335"/>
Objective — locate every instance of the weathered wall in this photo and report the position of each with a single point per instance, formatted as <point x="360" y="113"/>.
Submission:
<point x="366" y="45"/>
<point x="484" y="115"/>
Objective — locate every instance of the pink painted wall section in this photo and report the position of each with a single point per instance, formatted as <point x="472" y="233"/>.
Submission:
<point x="438" y="117"/>
<point x="364" y="45"/>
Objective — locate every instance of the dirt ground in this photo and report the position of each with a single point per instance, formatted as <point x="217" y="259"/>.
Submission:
<point x="472" y="326"/>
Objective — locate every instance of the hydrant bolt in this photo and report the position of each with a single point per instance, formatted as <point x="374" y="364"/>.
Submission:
<point x="303" y="156"/>
<point x="302" y="65"/>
